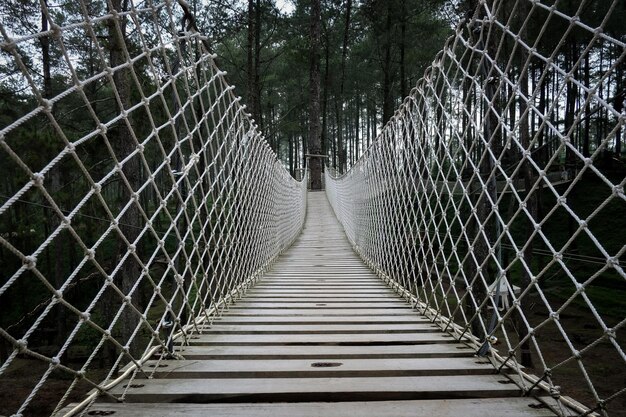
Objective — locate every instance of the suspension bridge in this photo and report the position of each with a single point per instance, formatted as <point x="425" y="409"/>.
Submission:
<point x="321" y="333"/>
<point x="432" y="278"/>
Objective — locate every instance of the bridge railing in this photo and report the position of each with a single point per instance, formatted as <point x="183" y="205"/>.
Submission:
<point x="494" y="197"/>
<point x="137" y="197"/>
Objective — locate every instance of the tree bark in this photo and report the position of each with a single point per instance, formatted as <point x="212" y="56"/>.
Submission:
<point x="570" y="106"/>
<point x="403" y="88"/>
<point x="45" y="54"/>
<point x="586" y="152"/>
<point x="314" y="96"/>
<point x="257" y="65"/>
<point x="324" y="133"/>
<point x="56" y="183"/>
<point x="387" y="99"/>
<point x="253" y="61"/>
<point x="292" y="170"/>
<point x="250" y="57"/>
<point x="532" y="202"/>
<point x="483" y="196"/>
<point x="123" y="144"/>
<point x="619" y="106"/>
<point x="357" y="127"/>
<point x="341" y="145"/>
<point x="569" y="129"/>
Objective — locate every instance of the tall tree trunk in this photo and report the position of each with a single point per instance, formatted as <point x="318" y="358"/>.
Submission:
<point x="324" y="134"/>
<point x="387" y="99"/>
<point x="586" y="150"/>
<point x="467" y="128"/>
<point x="342" y="154"/>
<point x="374" y="120"/>
<point x="56" y="176"/>
<point x="531" y="202"/>
<point x="357" y="127"/>
<point x="483" y="196"/>
<point x="403" y="89"/>
<point x="45" y="53"/>
<point x="253" y="61"/>
<point x="570" y="106"/>
<point x="257" y="64"/>
<point x="250" y="59"/>
<point x="292" y="170"/>
<point x="270" y="123"/>
<point x="570" y="131"/>
<point x="619" y="106"/>
<point x="367" y="125"/>
<point x="341" y="145"/>
<point x="314" y="96"/>
<point x="334" y="141"/>
<point x="543" y="126"/>
<point x="123" y="144"/>
<point x="601" y="119"/>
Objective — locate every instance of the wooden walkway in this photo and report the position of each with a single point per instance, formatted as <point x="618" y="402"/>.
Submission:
<point x="321" y="335"/>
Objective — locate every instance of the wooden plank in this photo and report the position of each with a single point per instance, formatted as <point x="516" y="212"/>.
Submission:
<point x="322" y="277"/>
<point x="316" y="313"/>
<point x="484" y="407"/>
<point x="321" y="265"/>
<point x="432" y="350"/>
<point x="322" y="281"/>
<point x="320" y="259"/>
<point x="317" y="389"/>
<point x="307" y="290"/>
<point x="303" y="305"/>
<point x="317" y="368"/>
<point x="313" y="273"/>
<point x="332" y="297"/>
<point x="321" y="311"/>
<point x="311" y="319"/>
<point x="304" y="328"/>
<point x="323" y="272"/>
<point x="288" y="260"/>
<point x="304" y="280"/>
<point x="303" y="276"/>
<point x="328" y="291"/>
<point x="315" y="270"/>
<point x="304" y="339"/>
<point x="320" y="286"/>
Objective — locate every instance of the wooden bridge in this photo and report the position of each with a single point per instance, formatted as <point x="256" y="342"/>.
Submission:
<point x="321" y="335"/>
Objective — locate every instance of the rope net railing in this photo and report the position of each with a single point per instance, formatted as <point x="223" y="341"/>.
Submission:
<point x="493" y="198"/>
<point x="137" y="197"/>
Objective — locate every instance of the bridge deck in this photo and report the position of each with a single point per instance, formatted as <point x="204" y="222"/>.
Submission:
<point x="321" y="335"/>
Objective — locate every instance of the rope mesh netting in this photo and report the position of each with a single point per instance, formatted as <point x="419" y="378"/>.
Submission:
<point x="492" y="198"/>
<point x="138" y="198"/>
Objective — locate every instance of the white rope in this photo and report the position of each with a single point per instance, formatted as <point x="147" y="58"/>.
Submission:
<point x="194" y="200"/>
<point x="443" y="204"/>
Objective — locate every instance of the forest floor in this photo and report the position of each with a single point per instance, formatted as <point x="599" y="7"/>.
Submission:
<point x="602" y="363"/>
<point x="22" y="376"/>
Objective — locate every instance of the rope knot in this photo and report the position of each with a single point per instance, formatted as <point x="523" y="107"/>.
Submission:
<point x="555" y="392"/>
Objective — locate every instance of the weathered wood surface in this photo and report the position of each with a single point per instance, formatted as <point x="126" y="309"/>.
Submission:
<point x="301" y="368"/>
<point x="321" y="335"/>
<point x="317" y="389"/>
<point x="326" y="352"/>
<point x="484" y="407"/>
<point x="321" y="339"/>
<point x="322" y="328"/>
